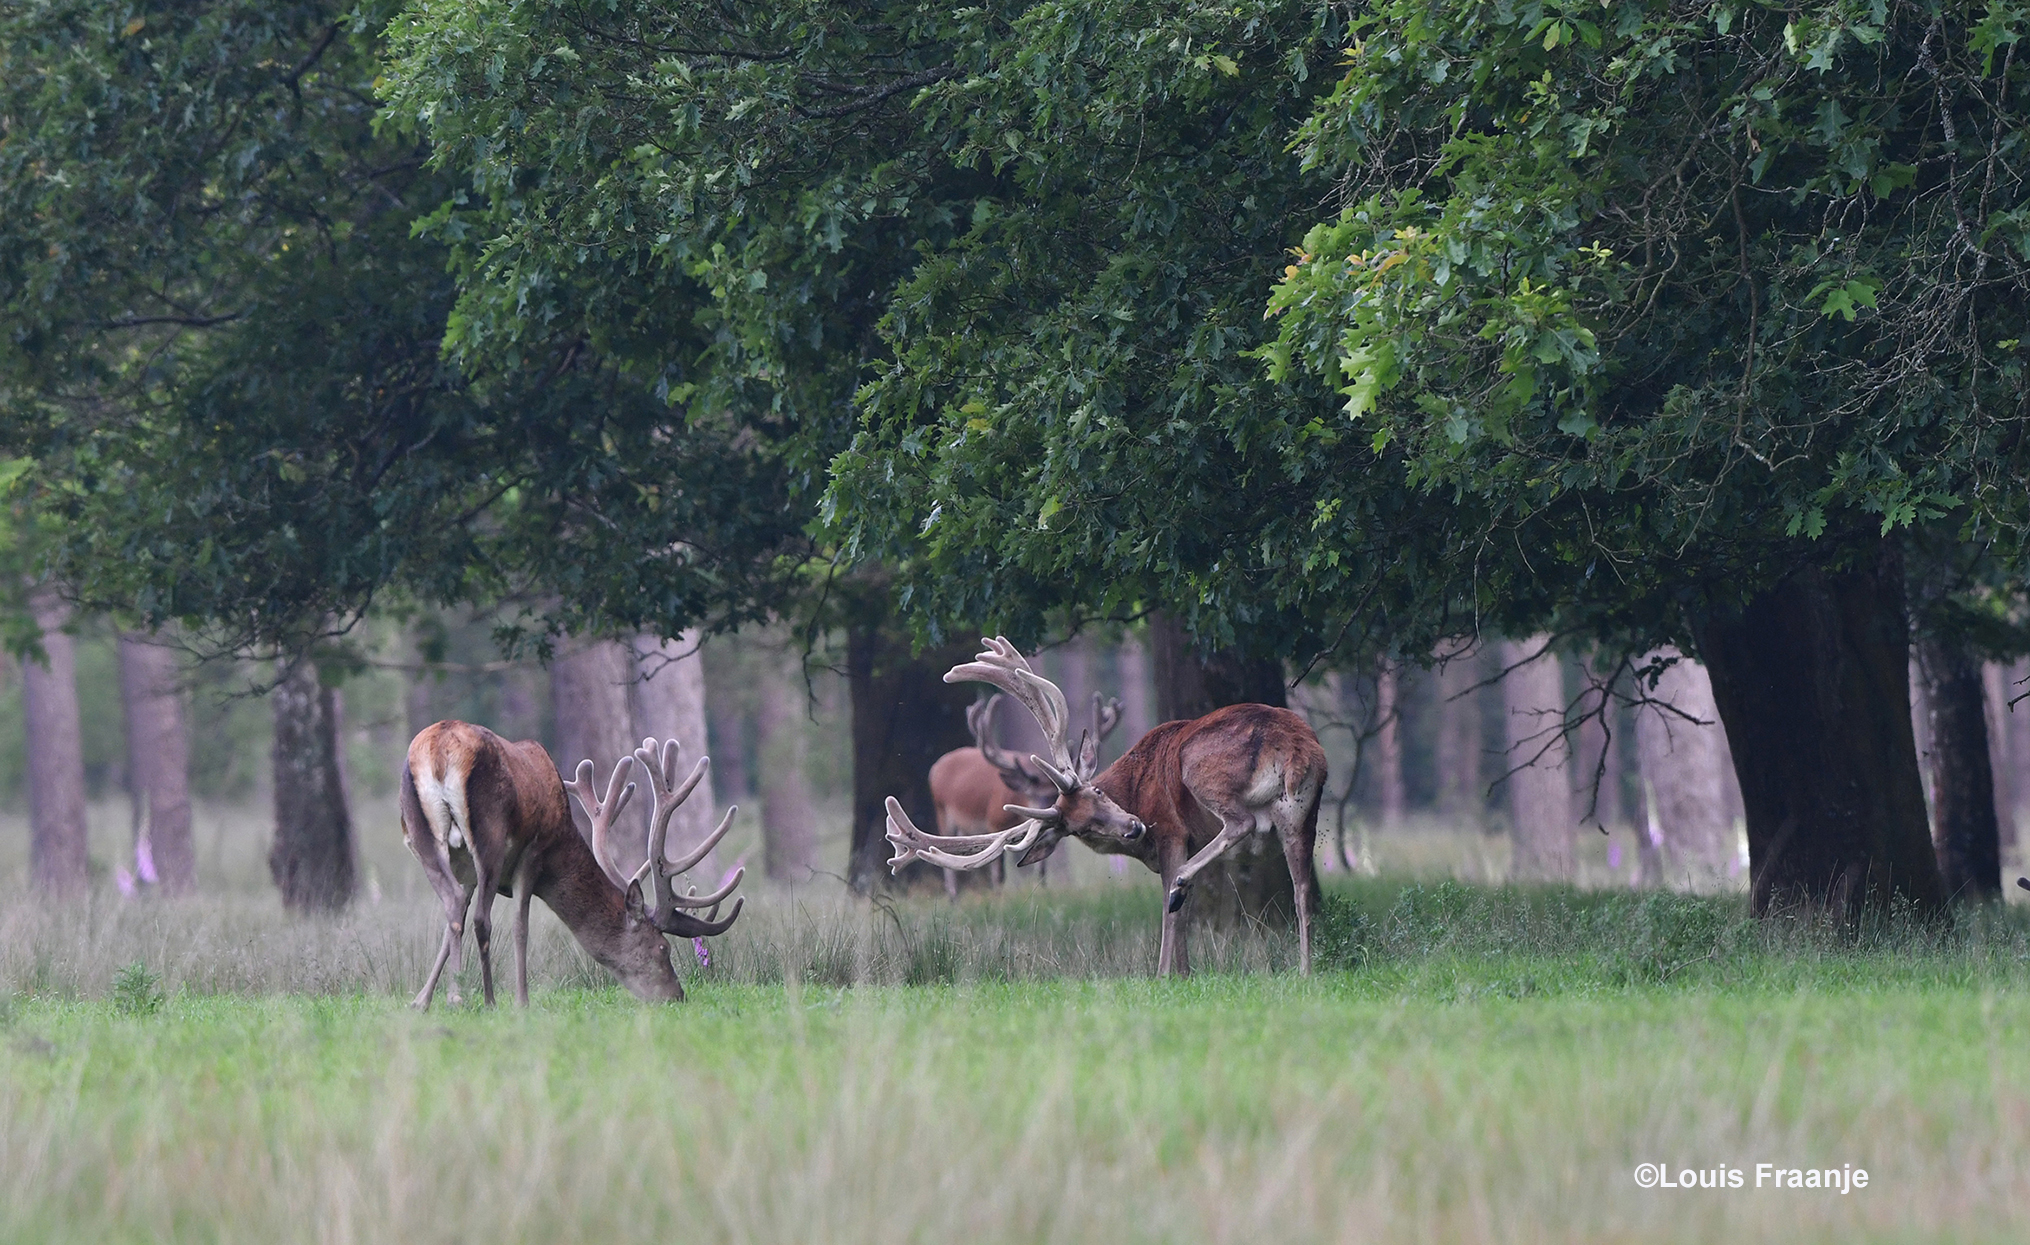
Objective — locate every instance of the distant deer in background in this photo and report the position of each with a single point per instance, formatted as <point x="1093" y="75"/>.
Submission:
<point x="1184" y="794"/>
<point x="973" y="788"/>
<point x="485" y="816"/>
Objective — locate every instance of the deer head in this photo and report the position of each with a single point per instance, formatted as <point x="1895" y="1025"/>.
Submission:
<point x="1075" y="806"/>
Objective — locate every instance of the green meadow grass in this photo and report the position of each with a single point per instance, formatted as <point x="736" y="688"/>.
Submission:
<point x="1475" y="1065"/>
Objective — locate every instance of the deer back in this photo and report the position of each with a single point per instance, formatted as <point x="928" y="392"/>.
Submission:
<point x="1178" y="775"/>
<point x="971" y="793"/>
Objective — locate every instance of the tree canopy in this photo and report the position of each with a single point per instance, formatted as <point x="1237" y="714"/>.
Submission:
<point x="1680" y="294"/>
<point x="225" y="357"/>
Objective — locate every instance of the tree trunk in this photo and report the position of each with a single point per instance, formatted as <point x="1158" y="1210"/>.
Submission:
<point x="56" y="754"/>
<point x="589" y="694"/>
<point x="1811" y="679"/>
<point x="726" y="717"/>
<point x="1965" y="832"/>
<point x="1686" y="771"/>
<point x="158" y="763"/>
<point x="1460" y="795"/>
<point x="1597" y="777"/>
<point x="905" y="716"/>
<point x="1541" y="824"/>
<point x="789" y="824"/>
<point x="312" y="859"/>
<point x="1388" y="745"/>
<point x="1251" y="882"/>
<point x="2001" y="748"/>
<point x="1133" y="664"/>
<point x="1191" y="685"/>
<point x="668" y="701"/>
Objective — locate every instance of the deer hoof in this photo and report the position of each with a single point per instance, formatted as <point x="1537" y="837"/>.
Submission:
<point x="1176" y="899"/>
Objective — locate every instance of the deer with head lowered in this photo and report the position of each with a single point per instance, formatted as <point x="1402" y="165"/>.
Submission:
<point x="973" y="788"/>
<point x="485" y="816"/>
<point x="1179" y="799"/>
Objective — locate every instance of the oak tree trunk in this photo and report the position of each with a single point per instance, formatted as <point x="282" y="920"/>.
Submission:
<point x="312" y="858"/>
<point x="1812" y="681"/>
<point x="1541" y="822"/>
<point x="1388" y="745"/>
<point x="2001" y="749"/>
<point x="905" y="716"/>
<point x="55" y="754"/>
<point x="1461" y="797"/>
<point x="727" y="718"/>
<point x="589" y="687"/>
<point x="1251" y="882"/>
<point x="158" y="762"/>
<point x="1687" y="773"/>
<point x="789" y="823"/>
<point x="668" y="701"/>
<point x="1965" y="831"/>
<point x="1133" y="664"/>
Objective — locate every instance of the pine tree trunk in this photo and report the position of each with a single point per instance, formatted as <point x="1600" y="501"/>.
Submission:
<point x="1965" y="831"/>
<point x="1388" y="745"/>
<point x="1251" y="882"/>
<point x="312" y="858"/>
<point x="589" y="686"/>
<point x="789" y="823"/>
<point x="905" y="716"/>
<point x="1686" y="771"/>
<point x="55" y="754"/>
<point x="1460" y="794"/>
<point x="1811" y="679"/>
<point x="158" y="762"/>
<point x="668" y="701"/>
<point x="1541" y="823"/>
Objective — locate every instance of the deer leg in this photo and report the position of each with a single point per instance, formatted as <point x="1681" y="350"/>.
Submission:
<point x="525" y="890"/>
<point x="952" y="885"/>
<point x="1173" y="958"/>
<point x="422" y="1000"/>
<point x="1230" y="833"/>
<point x="1298" y="841"/>
<point x="459" y="908"/>
<point x="482" y="930"/>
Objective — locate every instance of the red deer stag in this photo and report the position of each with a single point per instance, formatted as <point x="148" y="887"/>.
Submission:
<point x="483" y="815"/>
<point x="973" y="788"/>
<point x="1184" y="794"/>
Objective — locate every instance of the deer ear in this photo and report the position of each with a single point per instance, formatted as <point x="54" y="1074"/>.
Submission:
<point x="637" y="907"/>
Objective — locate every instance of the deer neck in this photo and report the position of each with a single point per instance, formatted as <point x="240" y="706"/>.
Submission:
<point x="595" y="911"/>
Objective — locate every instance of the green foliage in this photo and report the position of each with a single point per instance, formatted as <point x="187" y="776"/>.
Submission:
<point x="1677" y="294"/>
<point x="225" y="359"/>
<point x="137" y="991"/>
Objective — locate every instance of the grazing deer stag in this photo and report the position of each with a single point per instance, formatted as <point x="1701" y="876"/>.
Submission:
<point x="483" y="815"/>
<point x="973" y="788"/>
<point x="1184" y="794"/>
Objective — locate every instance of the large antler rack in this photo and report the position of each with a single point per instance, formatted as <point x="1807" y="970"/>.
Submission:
<point x="602" y="811"/>
<point x="999" y="665"/>
<point x="659" y="761"/>
<point x="1002" y="666"/>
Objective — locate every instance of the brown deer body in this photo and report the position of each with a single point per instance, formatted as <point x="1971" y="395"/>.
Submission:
<point x="484" y="816"/>
<point x="1185" y="794"/>
<point x="972" y="789"/>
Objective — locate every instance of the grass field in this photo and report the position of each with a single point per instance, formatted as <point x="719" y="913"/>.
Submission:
<point x="1477" y="1065"/>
